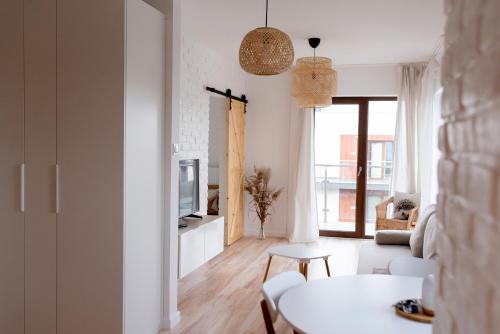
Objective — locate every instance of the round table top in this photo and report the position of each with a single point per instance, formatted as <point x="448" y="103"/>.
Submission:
<point x="299" y="252"/>
<point x="352" y="304"/>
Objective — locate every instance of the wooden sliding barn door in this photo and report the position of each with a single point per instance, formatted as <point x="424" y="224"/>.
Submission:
<point x="235" y="169"/>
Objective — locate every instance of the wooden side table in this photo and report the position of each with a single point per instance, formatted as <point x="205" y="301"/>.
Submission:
<point x="301" y="253"/>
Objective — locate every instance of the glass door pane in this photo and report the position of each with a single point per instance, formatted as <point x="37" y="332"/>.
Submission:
<point x="381" y="131"/>
<point x="336" y="150"/>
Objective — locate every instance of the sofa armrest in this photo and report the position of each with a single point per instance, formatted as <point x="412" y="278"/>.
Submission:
<point x="412" y="266"/>
<point x="393" y="237"/>
<point x="381" y="208"/>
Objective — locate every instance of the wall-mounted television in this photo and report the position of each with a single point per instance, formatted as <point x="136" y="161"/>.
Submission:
<point x="189" y="187"/>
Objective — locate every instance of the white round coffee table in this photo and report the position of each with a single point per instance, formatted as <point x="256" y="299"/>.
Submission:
<point x="352" y="304"/>
<point x="301" y="253"/>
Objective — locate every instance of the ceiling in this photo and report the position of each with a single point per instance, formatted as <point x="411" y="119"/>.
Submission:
<point x="351" y="31"/>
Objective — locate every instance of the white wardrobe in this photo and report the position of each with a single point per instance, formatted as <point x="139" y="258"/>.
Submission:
<point x="82" y="159"/>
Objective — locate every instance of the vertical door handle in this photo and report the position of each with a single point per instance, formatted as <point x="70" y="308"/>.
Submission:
<point x="23" y="185"/>
<point x="58" y="204"/>
<point x="359" y="170"/>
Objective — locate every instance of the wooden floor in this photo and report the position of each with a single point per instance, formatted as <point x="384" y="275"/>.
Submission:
<point x="223" y="295"/>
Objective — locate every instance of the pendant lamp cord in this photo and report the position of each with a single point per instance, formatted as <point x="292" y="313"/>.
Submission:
<point x="267" y="8"/>
<point x="314" y="64"/>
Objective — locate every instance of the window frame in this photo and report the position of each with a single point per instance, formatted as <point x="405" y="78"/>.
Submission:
<point x="362" y="161"/>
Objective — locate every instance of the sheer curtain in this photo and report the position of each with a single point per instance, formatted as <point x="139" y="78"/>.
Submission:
<point x="302" y="206"/>
<point x="404" y="175"/>
<point x="416" y="150"/>
<point x="429" y="111"/>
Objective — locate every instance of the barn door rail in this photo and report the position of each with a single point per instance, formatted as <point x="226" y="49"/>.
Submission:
<point x="229" y="95"/>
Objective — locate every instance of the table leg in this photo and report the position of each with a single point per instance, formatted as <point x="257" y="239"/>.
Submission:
<point x="327" y="267"/>
<point x="267" y="267"/>
<point x="305" y="269"/>
<point x="301" y="268"/>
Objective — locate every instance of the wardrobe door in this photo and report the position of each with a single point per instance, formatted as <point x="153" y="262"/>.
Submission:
<point x="90" y="123"/>
<point x="40" y="146"/>
<point x="11" y="158"/>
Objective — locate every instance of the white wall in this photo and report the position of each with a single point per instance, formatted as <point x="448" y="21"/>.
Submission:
<point x="268" y="125"/>
<point x="144" y="168"/>
<point x="368" y="80"/>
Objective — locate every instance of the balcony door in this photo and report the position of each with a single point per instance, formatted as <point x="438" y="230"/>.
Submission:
<point x="354" y="141"/>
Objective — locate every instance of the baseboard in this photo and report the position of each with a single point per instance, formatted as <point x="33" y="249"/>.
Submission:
<point x="270" y="233"/>
<point x="172" y="321"/>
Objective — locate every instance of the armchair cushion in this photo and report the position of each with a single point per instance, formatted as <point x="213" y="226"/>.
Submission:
<point x="393" y="237"/>
<point x="417" y="235"/>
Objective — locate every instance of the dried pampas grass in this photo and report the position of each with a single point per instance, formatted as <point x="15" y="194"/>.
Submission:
<point x="262" y="196"/>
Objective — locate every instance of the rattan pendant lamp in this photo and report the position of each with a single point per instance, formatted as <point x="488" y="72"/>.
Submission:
<point x="314" y="82"/>
<point x="266" y="50"/>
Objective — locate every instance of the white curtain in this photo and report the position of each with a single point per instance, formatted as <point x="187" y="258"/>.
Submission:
<point x="428" y="121"/>
<point x="416" y="150"/>
<point x="302" y="206"/>
<point x="404" y="175"/>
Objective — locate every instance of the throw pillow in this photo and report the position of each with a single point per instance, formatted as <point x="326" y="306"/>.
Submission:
<point x="404" y="203"/>
<point x="417" y="235"/>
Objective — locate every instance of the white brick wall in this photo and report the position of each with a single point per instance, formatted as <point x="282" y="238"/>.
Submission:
<point x="469" y="171"/>
<point x="198" y="66"/>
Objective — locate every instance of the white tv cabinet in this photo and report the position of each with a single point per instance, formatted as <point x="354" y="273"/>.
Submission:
<point x="200" y="241"/>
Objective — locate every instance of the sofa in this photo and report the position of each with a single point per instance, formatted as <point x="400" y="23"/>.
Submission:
<point x="376" y="255"/>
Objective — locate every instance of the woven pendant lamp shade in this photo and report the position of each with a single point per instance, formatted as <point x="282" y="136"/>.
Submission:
<point x="266" y="51"/>
<point x="314" y="82"/>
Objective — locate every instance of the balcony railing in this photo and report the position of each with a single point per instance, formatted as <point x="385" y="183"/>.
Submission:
<point x="344" y="174"/>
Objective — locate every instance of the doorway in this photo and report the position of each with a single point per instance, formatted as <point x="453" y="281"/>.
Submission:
<point x="354" y="142"/>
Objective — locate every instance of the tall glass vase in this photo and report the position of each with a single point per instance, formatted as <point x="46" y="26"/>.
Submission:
<point x="262" y="235"/>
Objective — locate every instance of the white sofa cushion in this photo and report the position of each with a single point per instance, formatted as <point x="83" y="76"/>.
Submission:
<point x="374" y="258"/>
<point x="393" y="237"/>
<point x="412" y="266"/>
<point x="417" y="236"/>
<point x="430" y="248"/>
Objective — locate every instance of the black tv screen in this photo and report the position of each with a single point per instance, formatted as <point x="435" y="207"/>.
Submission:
<point x="189" y="187"/>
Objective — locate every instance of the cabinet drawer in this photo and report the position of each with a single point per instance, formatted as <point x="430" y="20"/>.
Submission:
<point x="214" y="238"/>
<point x="191" y="251"/>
